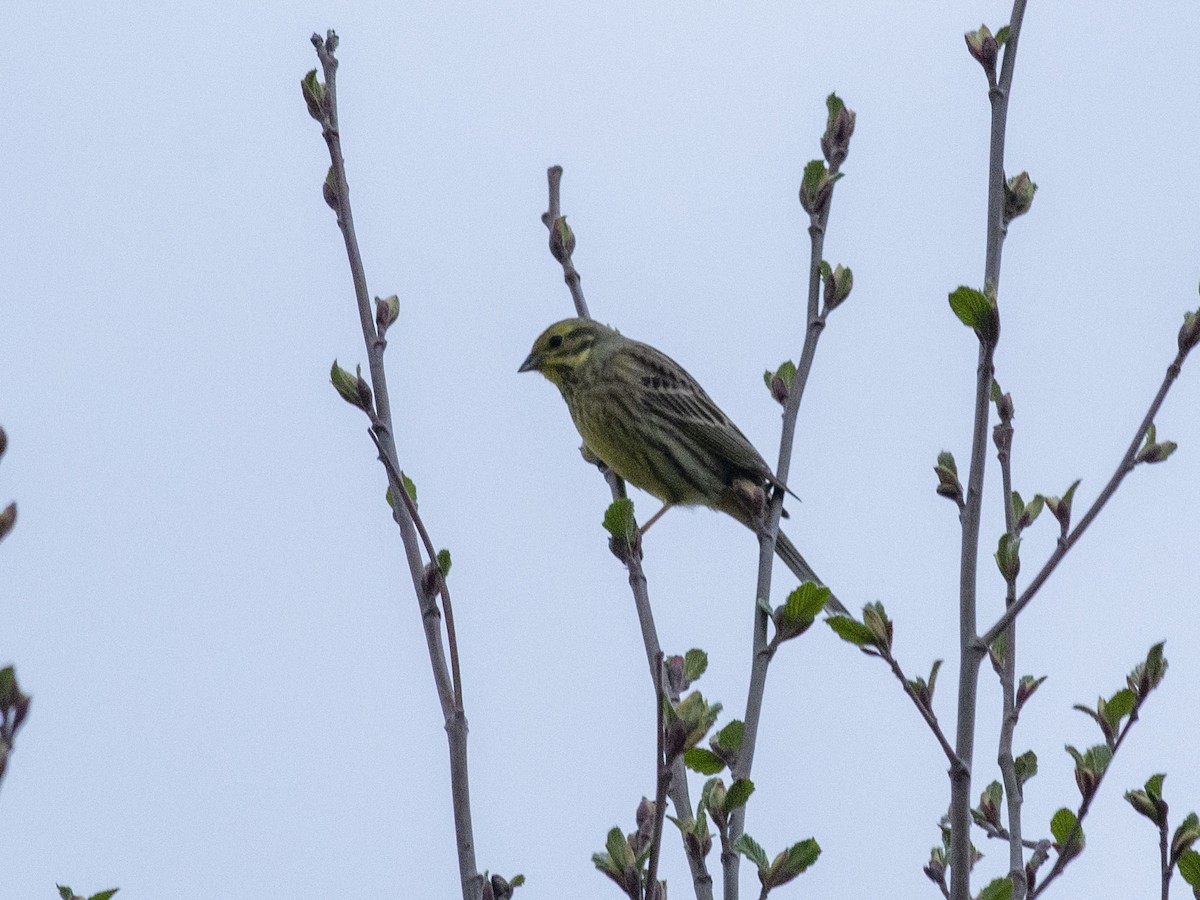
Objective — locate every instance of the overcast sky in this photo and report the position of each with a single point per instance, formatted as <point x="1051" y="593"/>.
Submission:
<point x="204" y="592"/>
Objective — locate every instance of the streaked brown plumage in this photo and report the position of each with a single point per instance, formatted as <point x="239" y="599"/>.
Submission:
<point x="652" y="423"/>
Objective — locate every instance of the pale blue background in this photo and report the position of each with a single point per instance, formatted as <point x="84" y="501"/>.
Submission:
<point x="204" y="593"/>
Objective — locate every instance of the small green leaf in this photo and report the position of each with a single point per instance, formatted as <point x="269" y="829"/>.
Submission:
<point x="1118" y="706"/>
<point x="851" y="630"/>
<point x="1061" y="825"/>
<point x="813" y="178"/>
<point x="805" y="603"/>
<point x="1189" y="868"/>
<point x="998" y="889"/>
<point x="1025" y="766"/>
<point x="443" y="558"/>
<point x="618" y="519"/>
<point x="730" y="737"/>
<point x="972" y="307"/>
<point x="1142" y="803"/>
<point x="946" y="461"/>
<point x="791" y="863"/>
<point x="1186" y="834"/>
<point x="618" y="848"/>
<point x="1154" y="785"/>
<point x="737" y="795"/>
<point x="65" y="892"/>
<point x="410" y="488"/>
<point x="104" y="895"/>
<point x="703" y="760"/>
<point x="750" y="848"/>
<point x="695" y="663"/>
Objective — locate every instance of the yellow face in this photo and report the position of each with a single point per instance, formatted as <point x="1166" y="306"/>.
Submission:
<point x="562" y="348"/>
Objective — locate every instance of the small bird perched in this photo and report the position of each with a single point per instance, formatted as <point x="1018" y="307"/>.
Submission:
<point x="649" y="421"/>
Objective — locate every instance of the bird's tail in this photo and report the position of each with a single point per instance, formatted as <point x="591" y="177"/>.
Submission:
<point x="793" y="559"/>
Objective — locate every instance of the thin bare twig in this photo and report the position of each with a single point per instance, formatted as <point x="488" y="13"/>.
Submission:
<point x="1013" y="794"/>
<point x="561" y="246"/>
<point x="761" y="651"/>
<point x="923" y="709"/>
<point x="1124" y="467"/>
<point x="449" y="690"/>
<point x="662" y="778"/>
<point x="970" y="652"/>
<point x="1060" y="864"/>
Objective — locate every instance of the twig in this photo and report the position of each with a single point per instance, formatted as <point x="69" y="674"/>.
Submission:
<point x="1060" y="864"/>
<point x="761" y="652"/>
<point x="1124" y="467"/>
<point x="662" y="778"/>
<point x="970" y="652"/>
<point x="1013" y="794"/>
<point x="678" y="787"/>
<point x="923" y="709"/>
<point x="448" y="688"/>
<point x="550" y="219"/>
<point x="442" y="586"/>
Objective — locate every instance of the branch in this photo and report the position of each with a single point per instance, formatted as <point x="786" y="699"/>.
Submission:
<point x="322" y="105"/>
<point x="662" y="778"/>
<point x="1007" y="670"/>
<point x="816" y="197"/>
<point x="970" y="652"/>
<point x="1124" y="467"/>
<point x="562" y="244"/>
<point x="1060" y="864"/>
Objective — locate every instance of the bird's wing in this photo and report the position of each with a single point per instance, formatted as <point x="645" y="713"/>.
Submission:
<point x="674" y="396"/>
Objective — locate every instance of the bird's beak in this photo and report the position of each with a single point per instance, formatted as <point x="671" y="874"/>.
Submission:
<point x="531" y="364"/>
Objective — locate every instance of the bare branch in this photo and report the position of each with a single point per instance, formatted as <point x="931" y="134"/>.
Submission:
<point x="562" y="244"/>
<point x="322" y="102"/>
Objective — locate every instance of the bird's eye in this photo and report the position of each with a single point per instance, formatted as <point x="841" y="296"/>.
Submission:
<point x="555" y="341"/>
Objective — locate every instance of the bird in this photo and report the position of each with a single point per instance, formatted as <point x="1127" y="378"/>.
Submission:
<point x="641" y="414"/>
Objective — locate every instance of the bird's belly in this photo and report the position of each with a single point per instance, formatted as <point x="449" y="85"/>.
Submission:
<point x="639" y="458"/>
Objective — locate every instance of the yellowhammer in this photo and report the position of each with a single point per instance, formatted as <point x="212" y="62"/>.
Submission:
<point x="649" y="421"/>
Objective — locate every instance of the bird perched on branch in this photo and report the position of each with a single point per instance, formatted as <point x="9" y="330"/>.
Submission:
<point x="642" y="415"/>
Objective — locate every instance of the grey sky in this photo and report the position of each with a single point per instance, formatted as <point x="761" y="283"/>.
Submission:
<point x="204" y="593"/>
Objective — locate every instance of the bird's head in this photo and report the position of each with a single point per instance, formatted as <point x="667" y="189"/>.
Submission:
<point x="562" y="348"/>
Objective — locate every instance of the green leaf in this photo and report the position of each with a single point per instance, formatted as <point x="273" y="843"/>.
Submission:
<point x="998" y="889"/>
<point x="834" y="104"/>
<point x="410" y="488"/>
<point x="1118" y="706"/>
<point x="1186" y="834"/>
<point x="703" y="760"/>
<point x="814" y="176"/>
<point x="791" y="862"/>
<point x="1142" y="803"/>
<point x="1189" y="868"/>
<point x="618" y="848"/>
<point x="750" y="848"/>
<point x="730" y="737"/>
<point x="971" y="306"/>
<point x="65" y="892"/>
<point x="946" y="461"/>
<point x="443" y="558"/>
<point x="1025" y="766"/>
<point x="1061" y="826"/>
<point x="104" y="895"/>
<point x="851" y="630"/>
<point x="805" y="603"/>
<point x="1154" y="785"/>
<point x="9" y="692"/>
<point x="737" y="795"/>
<point x="785" y="373"/>
<point x="618" y="519"/>
<point x="695" y="663"/>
